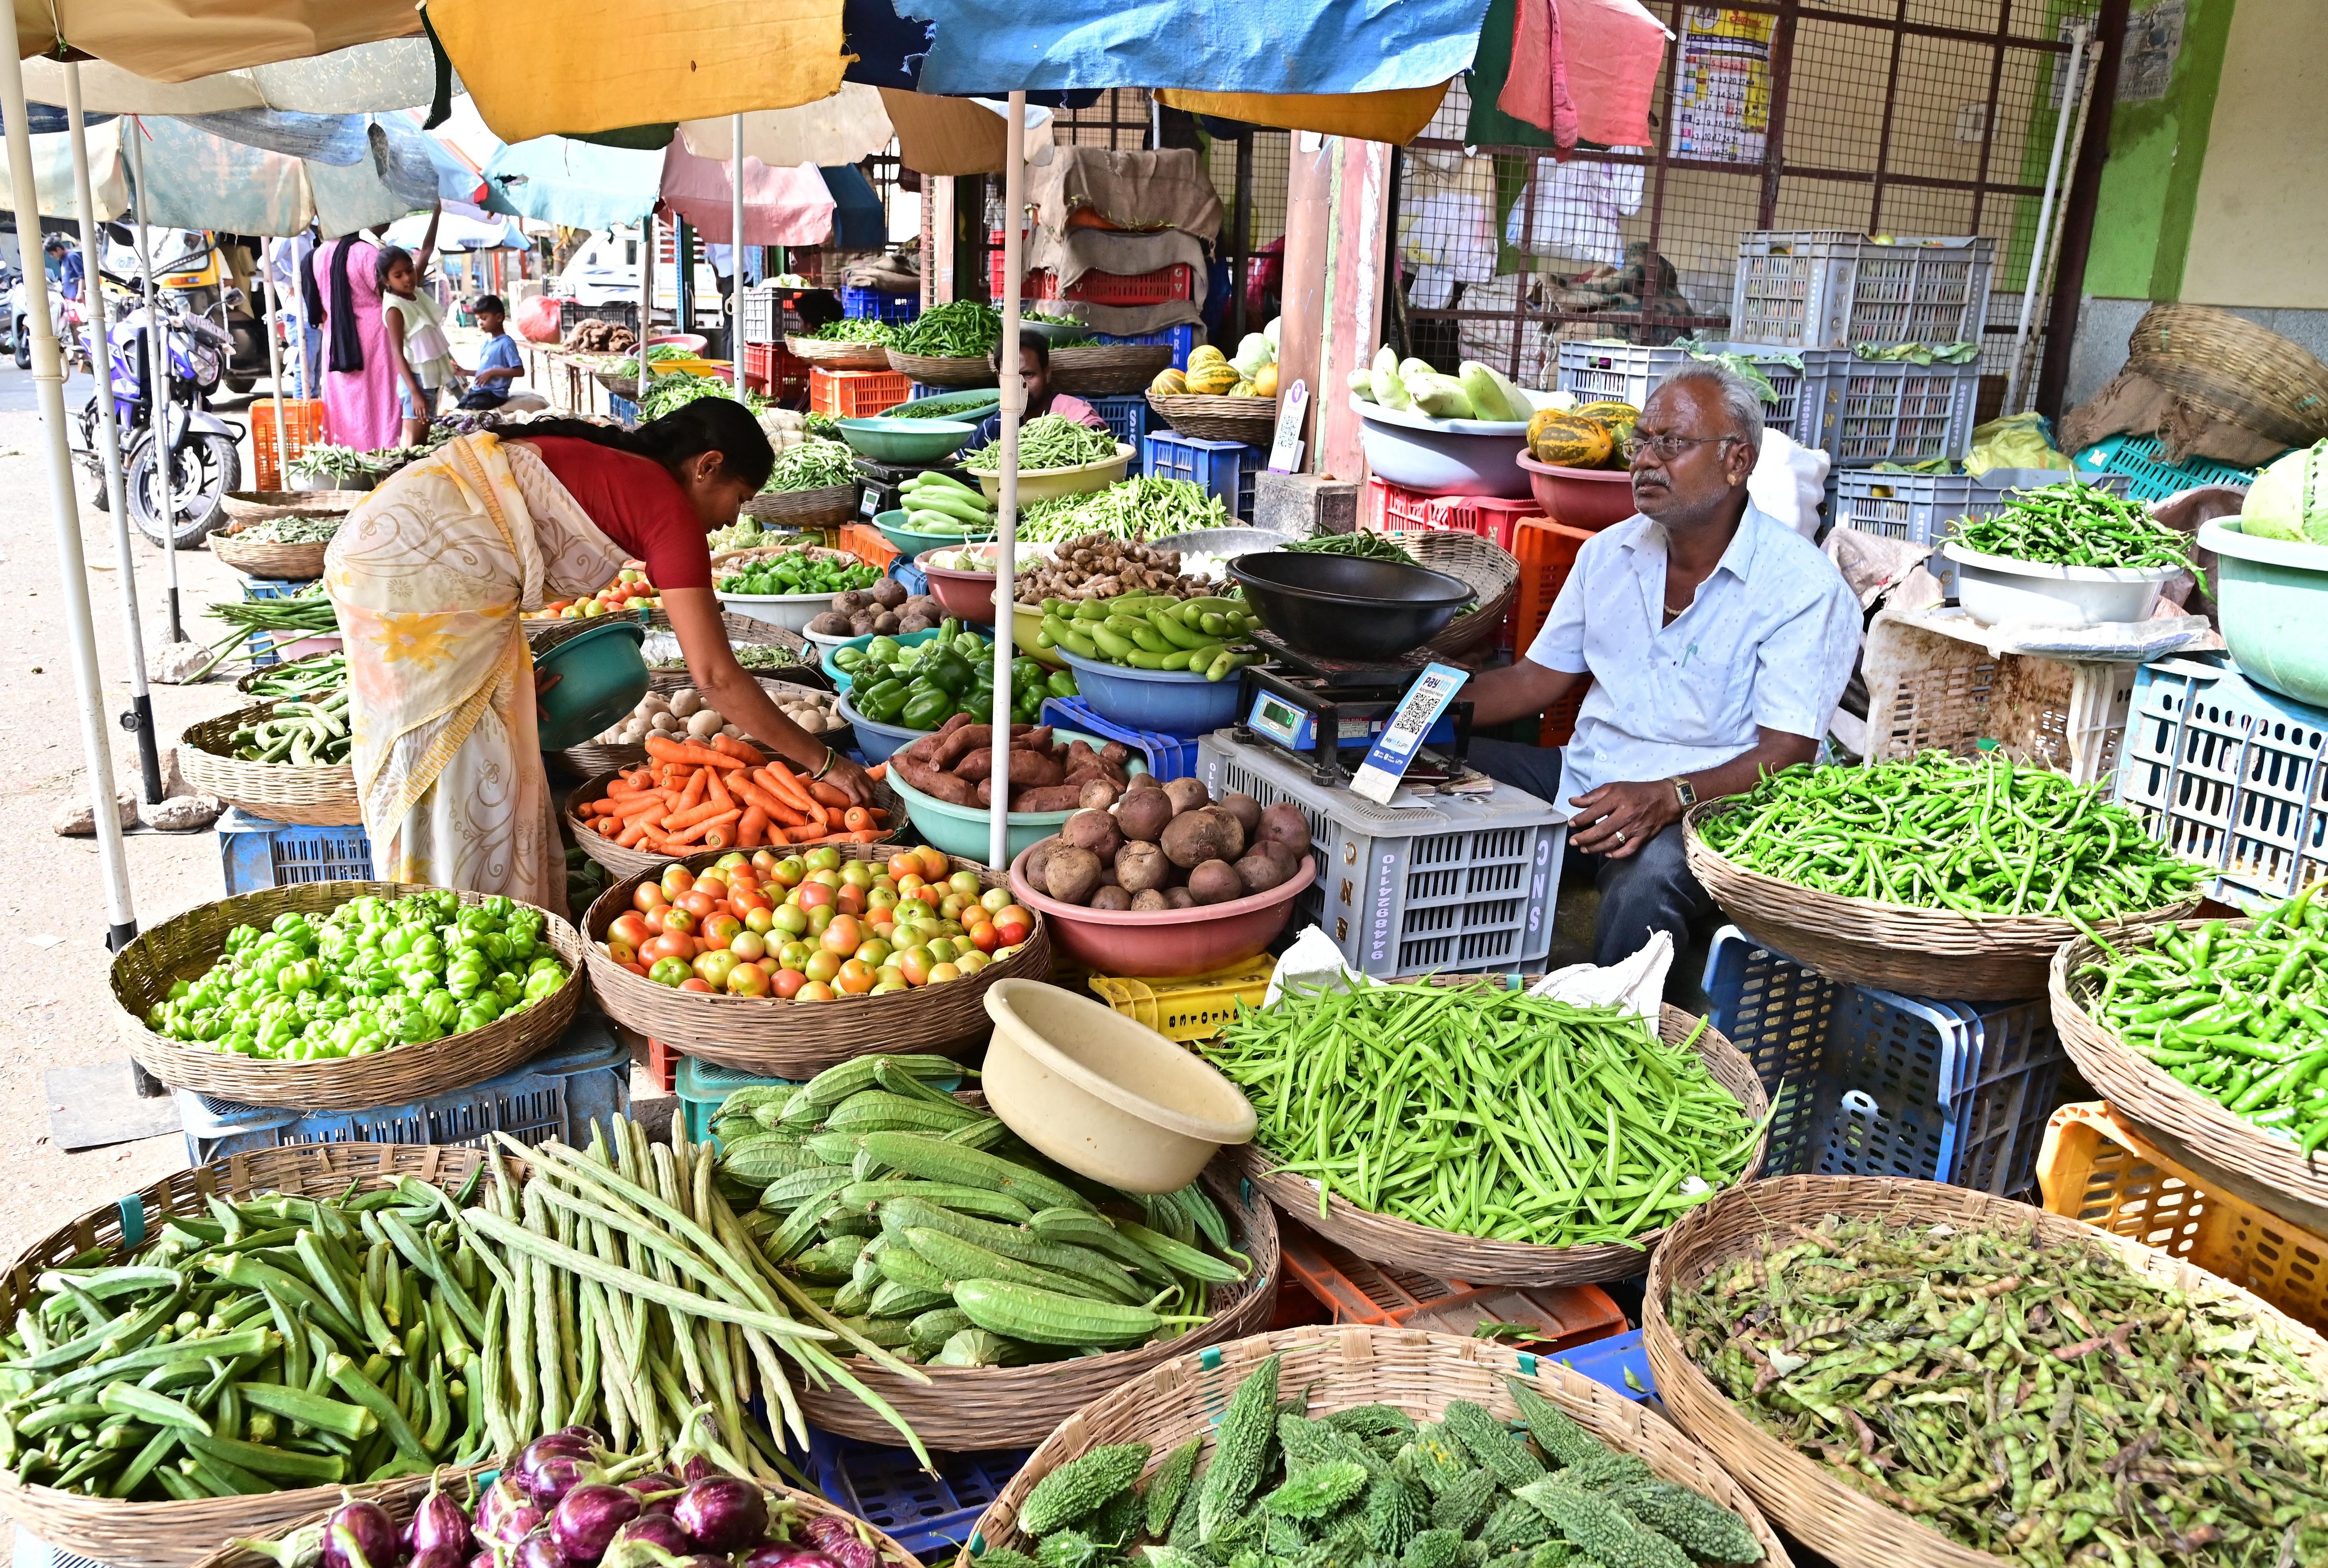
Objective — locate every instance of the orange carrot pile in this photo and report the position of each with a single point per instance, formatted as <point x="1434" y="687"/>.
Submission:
<point x="690" y="796"/>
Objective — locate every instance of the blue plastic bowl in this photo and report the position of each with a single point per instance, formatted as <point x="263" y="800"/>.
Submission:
<point x="1174" y="701"/>
<point x="601" y="675"/>
<point x="877" y="741"/>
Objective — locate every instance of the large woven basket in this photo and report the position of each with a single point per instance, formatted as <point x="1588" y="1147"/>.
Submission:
<point x="316" y="797"/>
<point x="805" y="507"/>
<point x="781" y="1039"/>
<point x="1891" y="947"/>
<point x="2232" y="371"/>
<point x="173" y="1534"/>
<point x="1807" y="1499"/>
<point x="1489" y="570"/>
<point x="1110" y="369"/>
<point x="1330" y="1367"/>
<point x="625" y="861"/>
<point x="1252" y="420"/>
<point x="1442" y="1255"/>
<point x="945" y="369"/>
<point x="284" y="563"/>
<point x="186" y="947"/>
<point x="248" y="506"/>
<point x="971" y="1408"/>
<point x="839" y="356"/>
<point x="2229" y="1151"/>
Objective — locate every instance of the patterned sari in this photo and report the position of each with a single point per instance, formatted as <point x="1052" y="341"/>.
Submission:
<point x="429" y="577"/>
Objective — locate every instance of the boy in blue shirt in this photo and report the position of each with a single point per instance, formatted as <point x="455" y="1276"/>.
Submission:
<point x="498" y="364"/>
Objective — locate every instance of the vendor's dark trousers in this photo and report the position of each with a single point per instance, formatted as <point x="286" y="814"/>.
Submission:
<point x="1652" y="890"/>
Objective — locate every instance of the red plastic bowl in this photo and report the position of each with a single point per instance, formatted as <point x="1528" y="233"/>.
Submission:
<point x="1588" y="498"/>
<point x="1169" y="943"/>
<point x="967" y="594"/>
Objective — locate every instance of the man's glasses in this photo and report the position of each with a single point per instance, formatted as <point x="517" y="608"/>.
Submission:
<point x="1667" y="447"/>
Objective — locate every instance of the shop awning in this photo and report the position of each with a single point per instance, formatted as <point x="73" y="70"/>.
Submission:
<point x="53" y="172"/>
<point x="197" y="73"/>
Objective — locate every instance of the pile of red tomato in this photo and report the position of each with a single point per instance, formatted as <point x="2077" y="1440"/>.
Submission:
<point x="816" y="926"/>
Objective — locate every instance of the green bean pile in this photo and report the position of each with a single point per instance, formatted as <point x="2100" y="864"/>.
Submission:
<point x="289" y="530"/>
<point x="1364" y="543"/>
<point x="1487" y="1112"/>
<point x="812" y="465"/>
<point x="2238" y="1015"/>
<point x="2074" y="525"/>
<point x="2031" y="1398"/>
<point x="1979" y="836"/>
<point x="854" y="330"/>
<point x="964" y="330"/>
<point x="1142" y="508"/>
<point x="1053" y="441"/>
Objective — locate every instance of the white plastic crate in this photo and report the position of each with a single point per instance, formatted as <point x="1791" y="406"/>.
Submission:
<point x="1831" y="290"/>
<point x="1630" y="372"/>
<point x="1864" y="411"/>
<point x="1465" y="885"/>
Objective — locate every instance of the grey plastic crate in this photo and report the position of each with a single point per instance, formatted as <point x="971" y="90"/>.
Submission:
<point x="1864" y="411"/>
<point x="759" y="316"/>
<point x="1630" y="372"/>
<point x="1463" y="885"/>
<point x="1827" y="289"/>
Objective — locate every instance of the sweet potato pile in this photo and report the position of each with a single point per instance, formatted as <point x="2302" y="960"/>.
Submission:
<point x="954" y="764"/>
<point x="1170" y="846"/>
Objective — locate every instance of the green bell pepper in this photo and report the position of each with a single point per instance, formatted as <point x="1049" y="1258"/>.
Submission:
<point x="926" y="710"/>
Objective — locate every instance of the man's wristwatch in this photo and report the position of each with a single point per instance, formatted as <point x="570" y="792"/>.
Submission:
<point x="1683" y="788"/>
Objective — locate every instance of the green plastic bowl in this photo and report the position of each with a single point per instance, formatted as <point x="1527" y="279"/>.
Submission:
<point x="970" y="408"/>
<point x="2272" y="599"/>
<point x="887" y="440"/>
<point x="909" y="543"/>
<point x="839" y="677"/>
<point x="963" y="830"/>
<point x="601" y="677"/>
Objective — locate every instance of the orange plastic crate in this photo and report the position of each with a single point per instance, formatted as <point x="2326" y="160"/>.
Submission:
<point x="856" y="394"/>
<point x="1394" y="508"/>
<point x="303" y="426"/>
<point x="662" y="1063"/>
<point x="1547" y="551"/>
<point x="1355" y="1290"/>
<point x="865" y="542"/>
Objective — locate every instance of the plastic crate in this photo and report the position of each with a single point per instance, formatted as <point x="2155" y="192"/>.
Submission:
<point x="1927" y="691"/>
<point x="1869" y="1083"/>
<point x="774" y="372"/>
<point x="1167" y="756"/>
<point x="1831" y="290"/>
<point x="303" y="426"/>
<point x="2096" y="1167"/>
<point x="1181" y="339"/>
<point x="1189" y="1009"/>
<point x="1161" y="286"/>
<point x="856" y="394"/>
<point x="2229" y="774"/>
<point x="867" y="543"/>
<point x="255" y="853"/>
<point x="875" y="305"/>
<point x="1355" y="1291"/>
<point x="621" y="410"/>
<point x="1630" y="372"/>
<point x="1394" y="509"/>
<point x="1864" y="411"/>
<point x="702" y="1088"/>
<point x="573" y="313"/>
<point x="1227" y="469"/>
<point x="1460" y="884"/>
<point x="930" y="1515"/>
<point x="759" y="316"/>
<point x="916" y="581"/>
<point x="1619" y="1363"/>
<point x="584" y="1078"/>
<point x="1547" y="551"/>
<point x="1127" y="416"/>
<point x="2136" y="459"/>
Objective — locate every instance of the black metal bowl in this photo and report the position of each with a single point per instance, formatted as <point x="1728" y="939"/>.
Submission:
<point x="1347" y="606"/>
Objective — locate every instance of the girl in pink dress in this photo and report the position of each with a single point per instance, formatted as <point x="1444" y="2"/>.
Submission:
<point x="360" y="406"/>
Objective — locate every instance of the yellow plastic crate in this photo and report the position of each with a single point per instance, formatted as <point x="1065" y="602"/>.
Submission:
<point x="2095" y="1167"/>
<point x="1195" y="1009"/>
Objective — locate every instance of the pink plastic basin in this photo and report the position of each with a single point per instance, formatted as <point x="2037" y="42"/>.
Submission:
<point x="1167" y="943"/>
<point x="1587" y="498"/>
<point x="694" y="343"/>
<point x="967" y="594"/>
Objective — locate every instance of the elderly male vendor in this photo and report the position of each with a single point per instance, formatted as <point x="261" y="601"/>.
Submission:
<point x="1717" y="640"/>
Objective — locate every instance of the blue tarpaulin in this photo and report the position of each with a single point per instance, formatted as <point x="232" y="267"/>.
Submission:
<point x="858" y="222"/>
<point x="556" y="180"/>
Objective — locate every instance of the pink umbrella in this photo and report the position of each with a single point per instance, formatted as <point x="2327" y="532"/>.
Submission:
<point x="781" y="206"/>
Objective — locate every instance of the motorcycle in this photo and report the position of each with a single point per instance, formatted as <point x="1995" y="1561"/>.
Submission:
<point x="188" y="265"/>
<point x="197" y="458"/>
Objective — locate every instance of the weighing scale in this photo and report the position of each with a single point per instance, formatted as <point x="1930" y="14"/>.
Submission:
<point x="1324" y="713"/>
<point x="882" y="481"/>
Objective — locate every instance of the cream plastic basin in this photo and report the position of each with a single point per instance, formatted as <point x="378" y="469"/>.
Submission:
<point x="1105" y="1096"/>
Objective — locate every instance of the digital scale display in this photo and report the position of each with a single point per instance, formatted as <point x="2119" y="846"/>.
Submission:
<point x="1295" y="727"/>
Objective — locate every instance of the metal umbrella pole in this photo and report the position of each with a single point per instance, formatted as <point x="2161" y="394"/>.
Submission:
<point x="64" y="506"/>
<point x="1014" y="403"/>
<point x="157" y="379"/>
<point x="736" y="258"/>
<point x="140" y="716"/>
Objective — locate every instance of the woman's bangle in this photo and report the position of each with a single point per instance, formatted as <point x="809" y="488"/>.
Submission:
<point x="831" y="757"/>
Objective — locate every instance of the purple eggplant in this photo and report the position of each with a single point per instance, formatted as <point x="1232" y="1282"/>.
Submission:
<point x="437" y="1557"/>
<point x="703" y="1560"/>
<point x="698" y="1468"/>
<point x="549" y="1467"/>
<point x="661" y="1530"/>
<point x="785" y="1554"/>
<point x="361" y="1534"/>
<point x="836" y="1538"/>
<point x="484" y="1560"/>
<point x="539" y="1550"/>
<point x="724" y="1513"/>
<point x="587" y="1434"/>
<point x="587" y="1517"/>
<point x="506" y="1513"/>
<point x="439" y="1521"/>
<point x="658" y="1491"/>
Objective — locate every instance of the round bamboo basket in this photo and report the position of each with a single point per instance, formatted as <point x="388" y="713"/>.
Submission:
<point x="839" y="356"/>
<point x="186" y="947"/>
<point x="805" y="507"/>
<point x="593" y="757"/>
<point x="261" y="673"/>
<point x="1807" y="1499"/>
<point x="1383" y="1239"/>
<point x="971" y="1408"/>
<point x="286" y="563"/>
<point x="945" y="369"/>
<point x="2229" y="1151"/>
<point x="316" y="797"/>
<point x="1252" y="420"/>
<point x="1331" y="1368"/>
<point x="248" y="506"/>
<point x="1892" y="946"/>
<point x="1108" y="370"/>
<point x="624" y="861"/>
<point x="173" y="1534"/>
<point x="783" y="1040"/>
<point x="2232" y="371"/>
<point x="1489" y="569"/>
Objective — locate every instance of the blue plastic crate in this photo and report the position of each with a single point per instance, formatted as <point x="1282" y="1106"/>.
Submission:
<point x="2147" y="476"/>
<point x="930" y="1515"/>
<point x="1228" y="469"/>
<point x="873" y="305"/>
<point x="1869" y="1083"/>
<point x="263" y="645"/>
<point x="1127" y="416"/>
<point x="1167" y="756"/>
<point x="702" y="1088"/>
<point x="1606" y="1362"/>
<point x="585" y="1077"/>
<point x="916" y="581"/>
<point x="625" y="410"/>
<point x="256" y="854"/>
<point x="1181" y="339"/>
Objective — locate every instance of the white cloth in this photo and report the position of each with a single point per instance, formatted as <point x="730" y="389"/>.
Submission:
<point x="1768" y="643"/>
<point x="1788" y="482"/>
<point x="1573" y="210"/>
<point x="720" y="259"/>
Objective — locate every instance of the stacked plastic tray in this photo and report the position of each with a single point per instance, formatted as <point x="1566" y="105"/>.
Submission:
<point x="1167" y="756"/>
<point x="256" y="854"/>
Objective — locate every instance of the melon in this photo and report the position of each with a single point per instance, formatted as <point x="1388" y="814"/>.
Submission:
<point x="1621" y="418"/>
<point x="1243" y="389"/>
<point x="1264" y="384"/>
<point x="1212" y="378"/>
<point x="1206" y="355"/>
<point x="1168" y="383"/>
<point x="1565" y="440"/>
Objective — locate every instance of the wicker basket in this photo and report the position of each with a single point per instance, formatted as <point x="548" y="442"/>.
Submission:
<point x="974" y="1408"/>
<point x="805" y="507"/>
<point x="1489" y="570"/>
<point x="593" y="757"/>
<point x="284" y="563"/>
<point x="1252" y="420"/>
<point x="173" y="1534"/>
<point x="1109" y="370"/>
<point x="624" y="861"/>
<point x="544" y="633"/>
<point x="1382" y="1239"/>
<point x="1331" y="1368"/>
<point x="2232" y="371"/>
<point x="783" y="1040"/>
<point x="255" y="676"/>
<point x="838" y="356"/>
<point x="186" y="947"/>
<point x="2226" y="1150"/>
<point x="943" y="370"/>
<point x="1892" y="946"/>
<point x="314" y="797"/>
<point x="1805" y="1498"/>
<point x="249" y="506"/>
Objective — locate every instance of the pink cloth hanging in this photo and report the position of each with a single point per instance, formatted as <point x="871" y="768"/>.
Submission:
<point x="1585" y="69"/>
<point x="1535" y="88"/>
<point x="360" y="406"/>
<point x="781" y="206"/>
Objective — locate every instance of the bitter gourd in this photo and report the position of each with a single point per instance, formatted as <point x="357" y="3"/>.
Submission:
<point x="1491" y="1443"/>
<point x="1241" y="1458"/>
<point x="1169" y="1486"/>
<point x="1318" y="1490"/>
<point x="1695" y="1523"/>
<point x="1601" y="1528"/>
<point x="1563" y="1441"/>
<point x="1081" y="1486"/>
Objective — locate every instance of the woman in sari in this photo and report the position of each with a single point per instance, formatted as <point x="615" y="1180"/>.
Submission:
<point x="429" y="577"/>
<point x="360" y="380"/>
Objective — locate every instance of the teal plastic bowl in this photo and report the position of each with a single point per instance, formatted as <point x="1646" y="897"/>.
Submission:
<point x="909" y="543"/>
<point x="839" y="677"/>
<point x="963" y="830"/>
<point x="970" y="408"/>
<point x="601" y="677"/>
<point x="887" y="440"/>
<point x="2273" y="598"/>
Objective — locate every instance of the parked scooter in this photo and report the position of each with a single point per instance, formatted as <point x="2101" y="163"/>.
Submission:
<point x="202" y="460"/>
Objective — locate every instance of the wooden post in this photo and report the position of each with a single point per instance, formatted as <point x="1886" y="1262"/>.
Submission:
<point x="1356" y="250"/>
<point x="1304" y="306"/>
